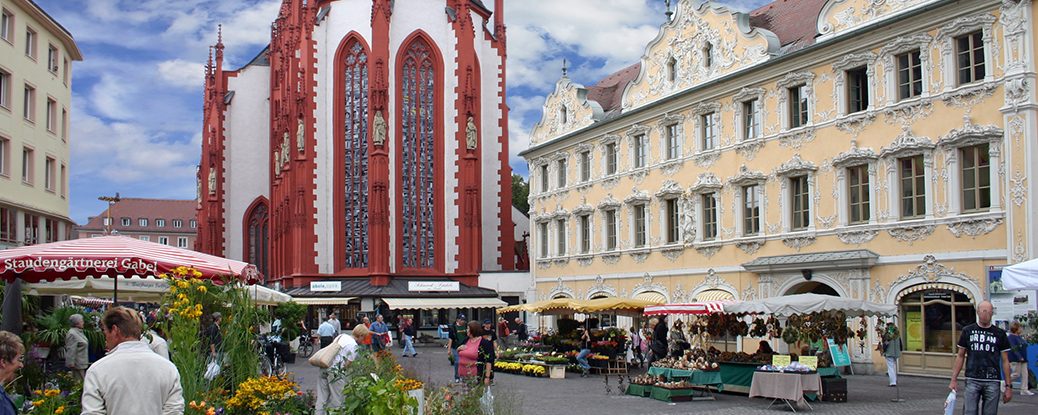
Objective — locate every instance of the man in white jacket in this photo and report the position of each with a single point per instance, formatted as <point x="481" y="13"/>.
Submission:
<point x="131" y="379"/>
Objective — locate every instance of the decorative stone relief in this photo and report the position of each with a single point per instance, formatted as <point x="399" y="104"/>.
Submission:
<point x="640" y="256"/>
<point x="672" y="253"/>
<point x="1020" y="250"/>
<point x="637" y="197"/>
<point x="543" y="264"/>
<point x="795" y="167"/>
<point x="708" y="250"/>
<point x="669" y="190"/>
<point x="1018" y="190"/>
<point x="747" y="177"/>
<point x="600" y="287"/>
<point x="855" y="156"/>
<point x="688" y="221"/>
<point x="1018" y="91"/>
<point x="648" y="285"/>
<point x="749" y="293"/>
<point x="796" y="139"/>
<point x="748" y="149"/>
<point x="611" y="258"/>
<point x="908" y="113"/>
<point x="854" y="124"/>
<point x="931" y="271"/>
<point x="561" y="289"/>
<point x="974" y="227"/>
<point x="878" y="293"/>
<point x="750" y="247"/>
<point x="798" y="242"/>
<point x="707" y="182"/>
<point x="608" y="203"/>
<point x="585" y="260"/>
<point x="857" y="237"/>
<point x="706" y="159"/>
<point x="561" y="261"/>
<point x="911" y="234"/>
<point x="971" y="134"/>
<point x="906" y="144"/>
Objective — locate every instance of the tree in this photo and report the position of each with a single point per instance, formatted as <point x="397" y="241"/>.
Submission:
<point x="520" y="194"/>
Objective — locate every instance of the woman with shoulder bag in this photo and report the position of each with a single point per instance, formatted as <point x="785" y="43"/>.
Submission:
<point x="476" y="357"/>
<point x="340" y="353"/>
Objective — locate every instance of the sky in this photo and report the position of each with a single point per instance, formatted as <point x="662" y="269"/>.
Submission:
<point x="137" y="94"/>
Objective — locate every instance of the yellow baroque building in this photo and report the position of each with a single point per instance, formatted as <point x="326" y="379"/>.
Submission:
<point x="880" y="150"/>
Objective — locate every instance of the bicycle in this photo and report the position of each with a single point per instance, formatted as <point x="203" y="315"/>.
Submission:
<point x="271" y="363"/>
<point x="306" y="346"/>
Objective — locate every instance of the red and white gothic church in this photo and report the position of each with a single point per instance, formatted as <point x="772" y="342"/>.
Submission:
<point x="367" y="143"/>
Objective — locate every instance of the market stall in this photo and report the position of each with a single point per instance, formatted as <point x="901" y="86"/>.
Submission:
<point x="1021" y="276"/>
<point x="148" y="289"/>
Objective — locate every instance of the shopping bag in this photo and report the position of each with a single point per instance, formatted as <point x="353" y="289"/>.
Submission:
<point x="212" y="369"/>
<point x="486" y="403"/>
<point x="323" y="358"/>
<point x="949" y="404"/>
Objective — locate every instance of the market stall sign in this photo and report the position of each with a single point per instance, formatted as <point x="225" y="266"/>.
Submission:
<point x="840" y="354"/>
<point x="433" y="286"/>
<point x="780" y="360"/>
<point x="809" y="361"/>
<point x="325" y="286"/>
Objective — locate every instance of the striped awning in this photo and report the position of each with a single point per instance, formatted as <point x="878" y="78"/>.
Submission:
<point x="652" y="296"/>
<point x="322" y="300"/>
<point x="713" y="295"/>
<point x="934" y="286"/>
<point x="423" y="303"/>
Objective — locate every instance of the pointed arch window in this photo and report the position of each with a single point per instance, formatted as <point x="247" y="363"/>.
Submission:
<point x="257" y="231"/>
<point x="418" y="162"/>
<point x="355" y="156"/>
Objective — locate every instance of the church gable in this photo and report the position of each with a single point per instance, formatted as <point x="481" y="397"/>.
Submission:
<point x="704" y="40"/>
<point x="566" y="109"/>
<point x="839" y="16"/>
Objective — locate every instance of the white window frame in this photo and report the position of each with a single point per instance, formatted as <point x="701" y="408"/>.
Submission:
<point x="610" y="156"/>
<point x="610" y="229"/>
<point x="796" y="79"/>
<point x="543" y="176"/>
<point x="740" y="203"/>
<point x="125" y="221"/>
<point x="907" y="145"/>
<point x="160" y="223"/>
<point x="946" y="40"/>
<point x="142" y="222"/>
<point x="5" y="157"/>
<point x="28" y="165"/>
<point x="701" y="214"/>
<point x="561" y="172"/>
<point x="177" y="223"/>
<point x="194" y="224"/>
<point x="792" y="169"/>
<point x="53" y="55"/>
<point x="643" y="206"/>
<point x="543" y="242"/>
<point x="670" y="223"/>
<point x="633" y="141"/>
<point x="754" y="97"/>
<point x="952" y="143"/>
<point x="561" y="237"/>
<point x="842" y="84"/>
<point x="181" y="242"/>
<point x="708" y="131"/>
<point x="51" y="113"/>
<point x="7" y="25"/>
<point x="50" y="170"/>
<point x="29" y="103"/>
<point x="584" y="156"/>
<point x="888" y="57"/>
<point x="586" y="234"/>
<point x="32" y="42"/>
<point x="144" y="238"/>
<point x="5" y="89"/>
<point x="164" y="240"/>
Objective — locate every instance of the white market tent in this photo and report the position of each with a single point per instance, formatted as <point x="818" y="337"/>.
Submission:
<point x="147" y="289"/>
<point x="1022" y="276"/>
<point x="810" y="303"/>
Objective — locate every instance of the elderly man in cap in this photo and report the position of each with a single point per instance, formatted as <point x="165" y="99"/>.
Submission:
<point x="77" y="347"/>
<point x="329" y="389"/>
<point x="457" y="335"/>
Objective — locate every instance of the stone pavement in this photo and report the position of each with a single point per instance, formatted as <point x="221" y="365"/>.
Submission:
<point x="542" y="396"/>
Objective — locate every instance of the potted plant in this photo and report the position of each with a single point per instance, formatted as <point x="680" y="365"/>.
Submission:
<point x="51" y="329"/>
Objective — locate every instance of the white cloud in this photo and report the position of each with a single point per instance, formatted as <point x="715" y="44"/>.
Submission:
<point x="182" y="73"/>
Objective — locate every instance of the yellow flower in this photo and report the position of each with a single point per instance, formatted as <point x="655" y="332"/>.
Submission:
<point x="37" y="402"/>
<point x="50" y="393"/>
<point x="202" y="289"/>
<point x="211" y="411"/>
<point x="60" y="410"/>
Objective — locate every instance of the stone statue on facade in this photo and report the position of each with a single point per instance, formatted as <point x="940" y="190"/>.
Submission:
<point x="277" y="162"/>
<point x="471" y="134"/>
<point x="300" y="142"/>
<point x="212" y="180"/>
<point x="284" y="148"/>
<point x="379" y="130"/>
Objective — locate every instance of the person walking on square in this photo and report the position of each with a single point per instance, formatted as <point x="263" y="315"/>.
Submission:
<point x="11" y="352"/>
<point x="77" y="347"/>
<point x="636" y="347"/>
<point x="476" y="355"/>
<point x="409" y="332"/>
<point x="131" y="379"/>
<point x="984" y="348"/>
<point x="326" y="331"/>
<point x="1018" y="358"/>
<point x="380" y="338"/>
<point x="457" y="335"/>
<point x="891" y="348"/>
<point x="503" y="331"/>
<point x="659" y="339"/>
<point x="335" y="323"/>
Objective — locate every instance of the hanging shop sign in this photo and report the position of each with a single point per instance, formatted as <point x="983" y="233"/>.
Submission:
<point x="433" y="286"/>
<point x="325" y="286"/>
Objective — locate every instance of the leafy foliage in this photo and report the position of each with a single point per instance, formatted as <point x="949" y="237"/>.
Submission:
<point x="520" y="193"/>
<point x="290" y="314"/>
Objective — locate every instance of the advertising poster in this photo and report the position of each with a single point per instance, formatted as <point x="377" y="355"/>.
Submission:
<point x="914" y="331"/>
<point x="1008" y="304"/>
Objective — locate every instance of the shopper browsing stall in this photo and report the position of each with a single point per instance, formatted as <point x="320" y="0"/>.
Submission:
<point x="476" y="356"/>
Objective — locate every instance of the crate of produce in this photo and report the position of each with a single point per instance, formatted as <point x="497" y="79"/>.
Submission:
<point x="671" y="395"/>
<point x="635" y="389"/>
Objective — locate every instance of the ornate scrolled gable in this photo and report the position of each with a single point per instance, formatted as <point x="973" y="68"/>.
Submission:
<point x="841" y="16"/>
<point x="855" y="156"/>
<point x="745" y="94"/>
<point x="609" y="139"/>
<point x="971" y="134"/>
<point x="559" y="155"/>
<point x="906" y="144"/>
<point x="706" y="183"/>
<point x="795" y="167"/>
<point x="704" y="40"/>
<point x="580" y="112"/>
<point x="747" y="177"/>
<point x="648" y="285"/>
<point x="583" y="209"/>
<point x="637" y="197"/>
<point x="904" y="44"/>
<point x="854" y="60"/>
<point x="600" y="287"/>
<point x="704" y="108"/>
<point x="795" y="78"/>
<point x="560" y="213"/>
<point x="561" y="290"/>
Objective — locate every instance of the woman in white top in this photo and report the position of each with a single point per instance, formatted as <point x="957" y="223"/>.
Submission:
<point x="329" y="390"/>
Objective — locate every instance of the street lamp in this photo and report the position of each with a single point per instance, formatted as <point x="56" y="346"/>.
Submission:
<point x="108" y="231"/>
<point x="111" y="200"/>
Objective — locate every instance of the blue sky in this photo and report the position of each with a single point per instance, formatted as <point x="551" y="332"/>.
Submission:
<point x="137" y="95"/>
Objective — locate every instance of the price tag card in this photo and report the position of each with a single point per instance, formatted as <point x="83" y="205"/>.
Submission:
<point x="780" y="360"/>
<point x="809" y="361"/>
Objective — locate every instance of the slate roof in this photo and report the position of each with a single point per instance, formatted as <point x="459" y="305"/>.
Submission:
<point x="151" y="209"/>
<point x="397" y="288"/>
<point x="793" y="21"/>
<point x="609" y="91"/>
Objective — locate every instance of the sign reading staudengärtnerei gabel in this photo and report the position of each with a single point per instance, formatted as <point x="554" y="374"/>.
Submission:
<point x="325" y="286"/>
<point x="433" y="286"/>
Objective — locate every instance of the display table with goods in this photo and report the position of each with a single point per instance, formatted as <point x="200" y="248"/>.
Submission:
<point x="786" y="384"/>
<point x="695" y="366"/>
<point x="659" y="388"/>
<point x="523" y="362"/>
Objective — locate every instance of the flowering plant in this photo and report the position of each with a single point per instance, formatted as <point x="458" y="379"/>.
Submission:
<point x="534" y="370"/>
<point x="268" y="394"/>
<point x="50" y="401"/>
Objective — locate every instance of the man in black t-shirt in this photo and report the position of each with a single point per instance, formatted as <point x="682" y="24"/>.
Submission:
<point x="984" y="347"/>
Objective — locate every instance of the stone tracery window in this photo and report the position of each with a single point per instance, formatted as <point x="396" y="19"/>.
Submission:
<point x="418" y="157"/>
<point x="355" y="156"/>
<point x="257" y="237"/>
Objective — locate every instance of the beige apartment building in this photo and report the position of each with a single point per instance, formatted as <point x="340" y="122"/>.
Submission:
<point x="879" y="150"/>
<point x="36" y="56"/>
<point x="166" y="221"/>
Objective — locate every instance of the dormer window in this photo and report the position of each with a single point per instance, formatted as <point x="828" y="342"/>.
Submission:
<point x="672" y="69"/>
<point x="563" y="116"/>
